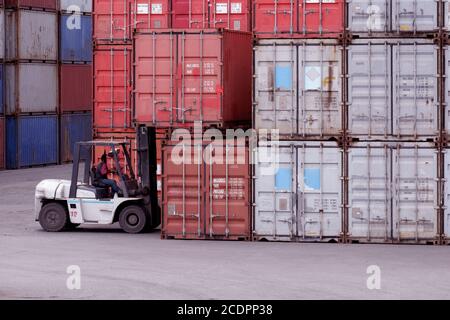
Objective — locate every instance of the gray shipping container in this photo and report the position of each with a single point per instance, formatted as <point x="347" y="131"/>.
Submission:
<point x="383" y="16"/>
<point x="84" y="6"/>
<point x="31" y="88"/>
<point x="300" y="198"/>
<point x="392" y="192"/>
<point x="393" y="89"/>
<point x="31" y="35"/>
<point x="297" y="87"/>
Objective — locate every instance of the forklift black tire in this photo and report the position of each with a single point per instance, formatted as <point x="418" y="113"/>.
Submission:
<point x="53" y="217"/>
<point x="132" y="219"/>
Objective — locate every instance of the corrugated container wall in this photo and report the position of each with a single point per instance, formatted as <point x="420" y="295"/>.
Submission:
<point x="75" y="87"/>
<point x="393" y="89"/>
<point x="73" y="128"/>
<point x="298" y="191"/>
<point x="112" y="88"/>
<point x="203" y="198"/>
<point x="31" y="141"/>
<point x="446" y="195"/>
<point x="31" y="87"/>
<point x="298" y="87"/>
<point x="75" y="38"/>
<point x="203" y="14"/>
<point x="2" y="88"/>
<point x="2" y="33"/>
<point x="386" y="16"/>
<point x="83" y="6"/>
<point x="32" y="4"/>
<point x="182" y="77"/>
<point x="2" y="142"/>
<point x="31" y="35"/>
<point x="393" y="192"/>
<point x="115" y="20"/>
<point x="298" y="18"/>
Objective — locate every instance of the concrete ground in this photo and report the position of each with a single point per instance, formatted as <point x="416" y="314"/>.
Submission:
<point x="115" y="265"/>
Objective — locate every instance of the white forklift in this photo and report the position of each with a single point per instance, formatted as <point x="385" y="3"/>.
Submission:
<point x="64" y="205"/>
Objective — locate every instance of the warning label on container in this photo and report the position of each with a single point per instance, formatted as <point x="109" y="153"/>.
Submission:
<point x="236" y="7"/>
<point x="142" y="8"/>
<point x="313" y="76"/>
<point x="221" y="8"/>
<point x="157" y="8"/>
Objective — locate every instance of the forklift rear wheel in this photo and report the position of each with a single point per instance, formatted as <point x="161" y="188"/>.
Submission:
<point x="133" y="219"/>
<point x="53" y="217"/>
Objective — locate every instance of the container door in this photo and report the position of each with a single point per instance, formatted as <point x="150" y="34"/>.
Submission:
<point x="227" y="182"/>
<point x="369" y="193"/>
<point x="368" y="16"/>
<point x="276" y="88"/>
<point x="112" y="20"/>
<point x="155" y="97"/>
<point x="414" y="15"/>
<point x="321" y="16"/>
<point x="415" y="90"/>
<point x="275" y="16"/>
<point x="319" y="192"/>
<point x="112" y="90"/>
<point x="183" y="208"/>
<point x="148" y="14"/>
<point x="190" y="14"/>
<point x="415" y="190"/>
<point x="369" y="88"/>
<point x="230" y="14"/>
<point x="275" y="213"/>
<point x="319" y="90"/>
<point x="199" y="82"/>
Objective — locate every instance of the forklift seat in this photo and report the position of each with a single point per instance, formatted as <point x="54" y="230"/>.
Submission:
<point x="101" y="189"/>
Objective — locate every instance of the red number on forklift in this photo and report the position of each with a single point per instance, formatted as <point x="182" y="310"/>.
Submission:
<point x="73" y="214"/>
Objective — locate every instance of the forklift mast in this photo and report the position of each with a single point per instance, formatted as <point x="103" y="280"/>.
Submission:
<point x="146" y="162"/>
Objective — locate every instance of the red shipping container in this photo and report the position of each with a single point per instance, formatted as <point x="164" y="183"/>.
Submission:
<point x="75" y="87"/>
<point x="190" y="14"/>
<point x="115" y="20"/>
<point x="299" y="18"/>
<point x="2" y="142"/>
<point x="42" y="4"/>
<point x="234" y="14"/>
<point x="186" y="76"/>
<point x="112" y="88"/>
<point x="203" y="200"/>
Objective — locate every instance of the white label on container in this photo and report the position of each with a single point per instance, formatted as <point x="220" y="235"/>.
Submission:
<point x="221" y="8"/>
<point x="156" y="8"/>
<point x="236" y="7"/>
<point x="142" y="8"/>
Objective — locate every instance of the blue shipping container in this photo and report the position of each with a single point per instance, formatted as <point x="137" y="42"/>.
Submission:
<point x="74" y="128"/>
<point x="2" y="84"/>
<point x="31" y="141"/>
<point x="76" y="38"/>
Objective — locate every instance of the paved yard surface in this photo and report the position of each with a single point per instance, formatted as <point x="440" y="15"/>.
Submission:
<point x="115" y="265"/>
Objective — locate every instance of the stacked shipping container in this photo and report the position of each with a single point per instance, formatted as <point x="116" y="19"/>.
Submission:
<point x="2" y="84"/>
<point x="75" y="75"/>
<point x="31" y="83"/>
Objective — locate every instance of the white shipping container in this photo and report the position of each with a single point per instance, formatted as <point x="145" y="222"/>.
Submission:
<point x="393" y="89"/>
<point x="399" y="16"/>
<point x="31" y="88"/>
<point x="392" y="192"/>
<point x="297" y="194"/>
<point x="84" y="6"/>
<point x="31" y="35"/>
<point x="297" y="87"/>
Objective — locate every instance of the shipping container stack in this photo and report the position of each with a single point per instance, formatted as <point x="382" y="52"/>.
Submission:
<point x="355" y="89"/>
<point x="31" y="82"/>
<point x="2" y="84"/>
<point x="162" y="64"/>
<point x="75" y="75"/>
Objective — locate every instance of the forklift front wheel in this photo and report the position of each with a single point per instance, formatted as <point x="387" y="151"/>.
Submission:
<point x="133" y="219"/>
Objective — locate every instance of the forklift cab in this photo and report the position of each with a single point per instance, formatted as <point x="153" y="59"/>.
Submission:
<point x="84" y="151"/>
